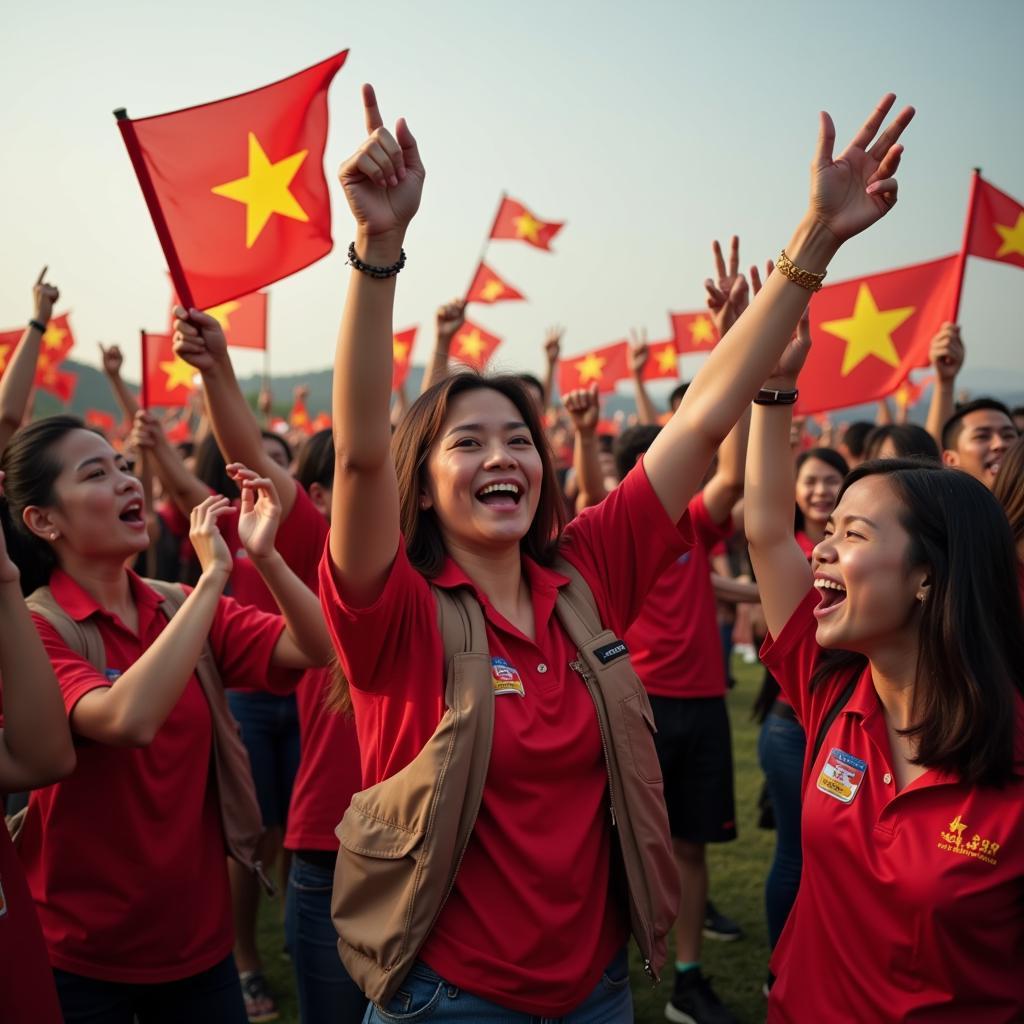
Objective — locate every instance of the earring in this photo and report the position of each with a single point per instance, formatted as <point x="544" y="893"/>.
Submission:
<point x="921" y="597"/>
<point x="54" y="535"/>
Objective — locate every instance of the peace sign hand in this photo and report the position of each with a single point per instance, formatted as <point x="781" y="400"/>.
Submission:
<point x="383" y="179"/>
<point x="728" y="294"/>
<point x="851" y="192"/>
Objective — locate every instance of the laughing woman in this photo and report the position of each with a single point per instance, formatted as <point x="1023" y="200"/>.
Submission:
<point x="126" y="858"/>
<point x="466" y="500"/>
<point x="900" y="648"/>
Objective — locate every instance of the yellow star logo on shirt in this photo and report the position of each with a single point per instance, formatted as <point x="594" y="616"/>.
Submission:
<point x="179" y="374"/>
<point x="701" y="331"/>
<point x="54" y="336"/>
<point x="399" y="350"/>
<point x="590" y="368"/>
<point x="492" y="289"/>
<point x="869" y="331"/>
<point x="472" y="345"/>
<point x="222" y="313"/>
<point x="528" y="227"/>
<point x="264" y="190"/>
<point x="666" y="356"/>
<point x="1013" y="237"/>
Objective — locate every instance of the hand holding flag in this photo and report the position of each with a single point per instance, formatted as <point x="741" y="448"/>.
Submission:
<point x="199" y="339"/>
<point x="946" y="353"/>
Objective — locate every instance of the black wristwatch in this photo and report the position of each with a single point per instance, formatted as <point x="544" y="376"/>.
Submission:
<point x="769" y="396"/>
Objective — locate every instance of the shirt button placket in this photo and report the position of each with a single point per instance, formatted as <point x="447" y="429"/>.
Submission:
<point x="887" y="779"/>
<point x="542" y="668"/>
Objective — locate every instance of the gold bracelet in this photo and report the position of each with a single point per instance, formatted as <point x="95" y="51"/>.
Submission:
<point x="787" y="268"/>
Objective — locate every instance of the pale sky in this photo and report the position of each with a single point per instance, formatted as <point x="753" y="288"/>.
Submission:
<point x="650" y="128"/>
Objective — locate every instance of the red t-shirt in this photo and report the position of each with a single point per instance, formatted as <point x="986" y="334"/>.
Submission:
<point x="532" y="921"/>
<point x="674" y="643"/>
<point x="125" y="859"/>
<point x="27" y="993"/>
<point x="909" y="906"/>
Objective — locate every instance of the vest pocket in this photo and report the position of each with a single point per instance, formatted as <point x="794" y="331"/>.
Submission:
<point x="640" y="729"/>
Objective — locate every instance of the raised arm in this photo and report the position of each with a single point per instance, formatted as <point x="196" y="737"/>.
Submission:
<point x="848" y="194"/>
<point x="199" y="340"/>
<point x="112" y="362"/>
<point x="383" y="181"/>
<point x="946" y="354"/>
<point x="450" y="317"/>
<point x="180" y="484"/>
<point x="583" y="406"/>
<point x="552" y="353"/>
<point x="19" y="377"/>
<point x="637" y="354"/>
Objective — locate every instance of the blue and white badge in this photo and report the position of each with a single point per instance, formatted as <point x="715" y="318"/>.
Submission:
<point x="841" y="775"/>
<point x="505" y="678"/>
<point x="112" y="674"/>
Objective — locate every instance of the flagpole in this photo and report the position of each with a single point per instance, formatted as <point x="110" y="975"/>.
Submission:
<point x="145" y="465"/>
<point x="487" y="240"/>
<point x="163" y="233"/>
<point x="962" y="265"/>
<point x="144" y="381"/>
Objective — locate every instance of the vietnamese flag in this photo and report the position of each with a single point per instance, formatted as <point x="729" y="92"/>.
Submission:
<point x="56" y="343"/>
<point x="474" y="346"/>
<point x="870" y="333"/>
<point x="101" y="420"/>
<point x="601" y="366"/>
<point x="401" y="351"/>
<point x="488" y="287"/>
<point x="56" y="381"/>
<point x="693" y="332"/>
<point x="996" y="229"/>
<point x="662" y="360"/>
<point x="516" y="222"/>
<point x="167" y="378"/>
<point x="298" y="418"/>
<point x="909" y="393"/>
<point x="236" y="188"/>
<point x="243" y="320"/>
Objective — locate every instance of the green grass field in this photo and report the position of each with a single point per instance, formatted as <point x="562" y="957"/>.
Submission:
<point x="737" y="885"/>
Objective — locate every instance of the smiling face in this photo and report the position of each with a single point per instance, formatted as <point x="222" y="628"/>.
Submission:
<point x="817" y="485"/>
<point x="483" y="473"/>
<point x="870" y="594"/>
<point x="985" y="435"/>
<point x="97" y="510"/>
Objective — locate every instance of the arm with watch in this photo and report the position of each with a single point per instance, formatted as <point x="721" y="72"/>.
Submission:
<point x="16" y="383"/>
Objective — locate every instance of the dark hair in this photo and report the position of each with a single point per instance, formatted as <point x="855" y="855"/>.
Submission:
<point x="529" y="380"/>
<point x="631" y="444"/>
<point x="31" y="471"/>
<point x="316" y="460"/>
<point x="269" y="435"/>
<point x="955" y="424"/>
<point x="677" y="393"/>
<point x="970" y="661"/>
<point x="855" y="436"/>
<point x="186" y="449"/>
<point x="1017" y="410"/>
<point x="1008" y="488"/>
<point x="909" y="440"/>
<point x="210" y="467"/>
<point x="411" y="445"/>
<point x="831" y="458"/>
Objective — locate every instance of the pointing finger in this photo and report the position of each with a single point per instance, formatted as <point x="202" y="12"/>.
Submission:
<point x="371" y="110"/>
<point x="42" y="275"/>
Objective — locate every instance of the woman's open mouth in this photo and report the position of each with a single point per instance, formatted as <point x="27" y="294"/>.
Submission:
<point x="501" y="494"/>
<point x="132" y="515"/>
<point x="832" y="594"/>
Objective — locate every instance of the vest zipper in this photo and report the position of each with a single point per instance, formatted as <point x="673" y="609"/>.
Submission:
<point x="579" y="666"/>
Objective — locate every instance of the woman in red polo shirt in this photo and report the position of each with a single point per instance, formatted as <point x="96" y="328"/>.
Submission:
<point x="533" y="925"/>
<point x="126" y="858"/>
<point x="906" y="658"/>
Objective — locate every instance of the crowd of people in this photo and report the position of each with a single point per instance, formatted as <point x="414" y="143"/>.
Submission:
<point x="455" y="671"/>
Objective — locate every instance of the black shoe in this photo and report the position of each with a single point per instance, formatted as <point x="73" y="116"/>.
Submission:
<point x="694" y="1001"/>
<point x="718" y="926"/>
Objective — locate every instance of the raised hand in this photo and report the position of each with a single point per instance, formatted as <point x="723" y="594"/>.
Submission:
<point x="637" y="352"/>
<point x="210" y="547"/>
<point x="44" y="297"/>
<point x="728" y="294"/>
<point x="946" y="352"/>
<point x="852" y="191"/>
<point x="9" y="572"/>
<point x="383" y="179"/>
<point x="583" y="406"/>
<point x="260" y="512"/>
<point x="112" y="359"/>
<point x="792" y="361"/>
<point x="553" y="344"/>
<point x="147" y="431"/>
<point x="199" y="338"/>
<point x="450" y="317"/>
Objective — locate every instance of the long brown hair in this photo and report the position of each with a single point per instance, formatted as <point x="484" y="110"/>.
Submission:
<point x="1009" y="488"/>
<point x="410" y="448"/>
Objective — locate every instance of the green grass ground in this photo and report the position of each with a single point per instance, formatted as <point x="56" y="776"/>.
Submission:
<point x="737" y="885"/>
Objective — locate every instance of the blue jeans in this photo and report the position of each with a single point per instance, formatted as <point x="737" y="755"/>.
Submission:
<point x="212" y="997"/>
<point x="326" y="992"/>
<point x="780" y="749"/>
<point x="426" y="996"/>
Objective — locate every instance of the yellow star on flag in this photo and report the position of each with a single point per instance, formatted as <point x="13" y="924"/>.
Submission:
<point x="591" y="367"/>
<point x="666" y="356"/>
<point x="528" y="227"/>
<point x="264" y="190"/>
<point x="701" y="331"/>
<point x="54" y="336"/>
<point x="399" y="350"/>
<point x="179" y="373"/>
<point x="869" y="331"/>
<point x="222" y="313"/>
<point x="5" y="351"/>
<point x="472" y="345"/>
<point x="1013" y="237"/>
<point x="492" y="290"/>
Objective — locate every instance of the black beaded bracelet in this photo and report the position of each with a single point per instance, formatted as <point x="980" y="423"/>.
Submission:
<point x="378" y="272"/>
<point x="38" y="325"/>
<point x="769" y="396"/>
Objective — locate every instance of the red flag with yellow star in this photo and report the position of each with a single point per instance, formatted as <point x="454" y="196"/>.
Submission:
<point x="474" y="346"/>
<point x="869" y="333"/>
<point x="58" y="382"/>
<point x="693" y="332"/>
<point x="236" y="188"/>
<point x="601" y="366"/>
<point x="909" y="393"/>
<point x="100" y="419"/>
<point x="56" y="343"/>
<point x="298" y="418"/>
<point x="401" y="350"/>
<point x="488" y="287"/>
<point x="243" y="320"/>
<point x="662" y="360"/>
<point x="516" y="222"/>
<point x="167" y="379"/>
<point x="996" y="231"/>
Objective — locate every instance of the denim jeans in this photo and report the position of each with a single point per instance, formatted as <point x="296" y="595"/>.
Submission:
<point x="780" y="749"/>
<point x="326" y="992"/>
<point x="211" y="997"/>
<point x="426" y="996"/>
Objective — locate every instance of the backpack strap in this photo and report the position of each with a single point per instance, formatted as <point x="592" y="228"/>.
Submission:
<point x="81" y="637"/>
<point x="833" y="713"/>
<point x="577" y="601"/>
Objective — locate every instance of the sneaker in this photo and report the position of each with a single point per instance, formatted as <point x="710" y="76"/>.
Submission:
<point x="694" y="1001"/>
<point x="260" y="1007"/>
<point x="718" y="926"/>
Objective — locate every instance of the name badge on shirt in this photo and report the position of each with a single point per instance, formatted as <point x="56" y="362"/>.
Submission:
<point x="841" y="775"/>
<point x="505" y="679"/>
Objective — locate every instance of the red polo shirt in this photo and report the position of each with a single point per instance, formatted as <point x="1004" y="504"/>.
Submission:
<point x="674" y="643"/>
<point x="910" y="903"/>
<point x="125" y="859"/>
<point x="532" y="920"/>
